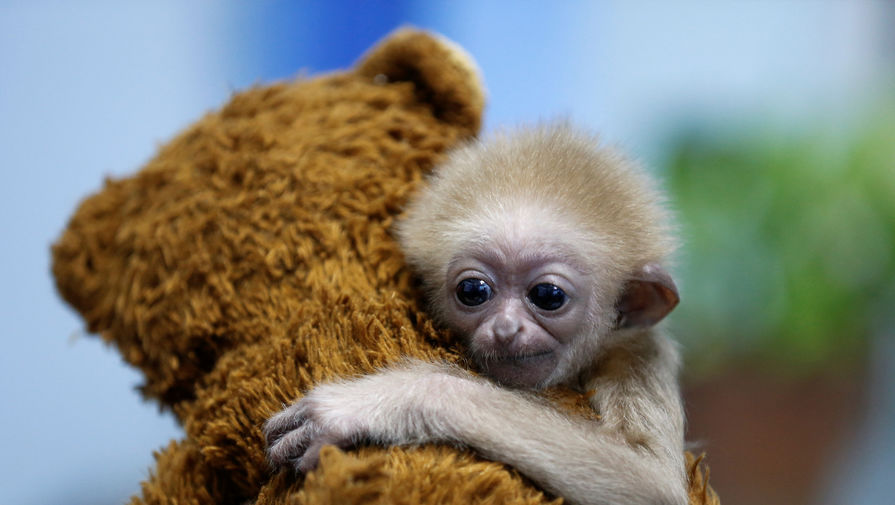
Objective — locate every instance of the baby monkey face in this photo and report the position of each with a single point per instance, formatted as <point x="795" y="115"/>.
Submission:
<point x="522" y="307"/>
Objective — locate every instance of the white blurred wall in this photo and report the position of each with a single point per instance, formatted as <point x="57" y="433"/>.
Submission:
<point x="629" y="68"/>
<point x="86" y="90"/>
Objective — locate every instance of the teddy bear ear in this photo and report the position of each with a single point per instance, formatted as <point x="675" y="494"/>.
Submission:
<point x="444" y="74"/>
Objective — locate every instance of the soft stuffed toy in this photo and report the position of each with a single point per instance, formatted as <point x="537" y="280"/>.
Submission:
<point x="252" y="259"/>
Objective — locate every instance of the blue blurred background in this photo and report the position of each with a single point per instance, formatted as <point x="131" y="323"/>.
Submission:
<point x="772" y="123"/>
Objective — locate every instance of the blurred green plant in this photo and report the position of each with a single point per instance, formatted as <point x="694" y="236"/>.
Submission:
<point x="789" y="254"/>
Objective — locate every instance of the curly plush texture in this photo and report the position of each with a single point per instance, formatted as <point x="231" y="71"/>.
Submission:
<point x="252" y="258"/>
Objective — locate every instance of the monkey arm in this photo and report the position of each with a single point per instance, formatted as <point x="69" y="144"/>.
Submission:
<point x="580" y="460"/>
<point x="636" y="393"/>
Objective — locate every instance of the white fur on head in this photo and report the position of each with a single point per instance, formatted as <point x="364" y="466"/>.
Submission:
<point x="550" y="181"/>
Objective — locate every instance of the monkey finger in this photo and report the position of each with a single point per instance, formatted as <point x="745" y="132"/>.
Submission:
<point x="284" y="422"/>
<point x="274" y="431"/>
<point x="311" y="456"/>
<point x="292" y="445"/>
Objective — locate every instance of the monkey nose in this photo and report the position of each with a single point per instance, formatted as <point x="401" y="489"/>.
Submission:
<point x="505" y="328"/>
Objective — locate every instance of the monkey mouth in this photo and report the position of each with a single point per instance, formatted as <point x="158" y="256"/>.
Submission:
<point x="522" y="357"/>
<point x="526" y="369"/>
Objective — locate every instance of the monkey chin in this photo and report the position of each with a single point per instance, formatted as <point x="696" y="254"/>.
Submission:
<point x="527" y="372"/>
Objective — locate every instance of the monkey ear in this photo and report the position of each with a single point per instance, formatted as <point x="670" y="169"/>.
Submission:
<point x="648" y="296"/>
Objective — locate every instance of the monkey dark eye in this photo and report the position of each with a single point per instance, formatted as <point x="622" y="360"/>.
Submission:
<point x="472" y="292"/>
<point x="547" y="296"/>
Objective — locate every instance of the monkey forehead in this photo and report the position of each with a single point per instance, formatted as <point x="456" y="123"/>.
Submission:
<point x="522" y="255"/>
<point x="526" y="234"/>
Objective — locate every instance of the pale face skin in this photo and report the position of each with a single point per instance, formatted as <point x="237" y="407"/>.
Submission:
<point x="520" y="311"/>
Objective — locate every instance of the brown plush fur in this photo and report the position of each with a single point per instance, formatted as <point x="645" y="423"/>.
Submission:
<point x="252" y="258"/>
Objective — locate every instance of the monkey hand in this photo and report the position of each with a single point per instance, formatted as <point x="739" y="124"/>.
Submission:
<point x="324" y="416"/>
<point x="398" y="406"/>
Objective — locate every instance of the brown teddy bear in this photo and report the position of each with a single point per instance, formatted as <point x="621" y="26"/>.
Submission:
<point x="252" y="258"/>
